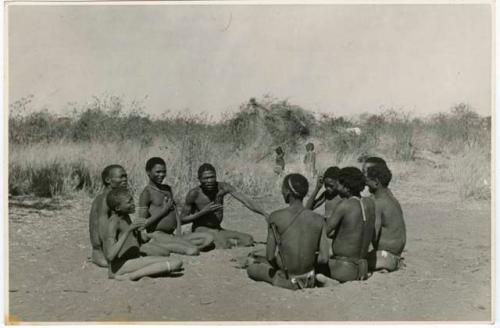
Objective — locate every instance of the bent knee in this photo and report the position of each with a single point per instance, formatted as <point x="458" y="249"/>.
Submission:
<point x="192" y="251"/>
<point x="174" y="264"/>
<point x="253" y="271"/>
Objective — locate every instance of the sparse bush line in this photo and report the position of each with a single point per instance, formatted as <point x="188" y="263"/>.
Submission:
<point x="49" y="155"/>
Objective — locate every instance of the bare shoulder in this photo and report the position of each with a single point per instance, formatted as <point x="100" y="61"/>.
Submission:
<point x="145" y="192"/>
<point x="192" y="194"/>
<point x="166" y="187"/>
<point x="369" y="201"/>
<point x="276" y="215"/>
<point x="226" y="187"/>
<point x="315" y="216"/>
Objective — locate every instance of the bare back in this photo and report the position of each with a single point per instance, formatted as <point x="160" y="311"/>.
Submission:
<point x="300" y="240"/>
<point x="102" y="213"/>
<point x="392" y="236"/>
<point x="351" y="234"/>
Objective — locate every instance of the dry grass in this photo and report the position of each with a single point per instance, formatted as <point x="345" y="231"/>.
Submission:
<point x="53" y="169"/>
<point x="51" y="157"/>
<point x="470" y="172"/>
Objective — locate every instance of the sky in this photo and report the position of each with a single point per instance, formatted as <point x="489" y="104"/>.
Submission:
<point x="341" y="59"/>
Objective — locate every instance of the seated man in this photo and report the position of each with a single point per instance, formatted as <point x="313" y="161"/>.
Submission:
<point x="156" y="205"/>
<point x="204" y="208"/>
<point x="351" y="228"/>
<point x="390" y="227"/>
<point x="113" y="176"/>
<point x="330" y="196"/>
<point x="122" y="243"/>
<point x="294" y="237"/>
<point x="368" y="162"/>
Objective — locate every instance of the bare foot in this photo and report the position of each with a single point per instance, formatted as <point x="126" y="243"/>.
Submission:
<point x="324" y="281"/>
<point x="98" y="258"/>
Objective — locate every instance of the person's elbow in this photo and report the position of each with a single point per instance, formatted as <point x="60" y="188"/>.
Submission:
<point x="108" y="255"/>
<point x="323" y="257"/>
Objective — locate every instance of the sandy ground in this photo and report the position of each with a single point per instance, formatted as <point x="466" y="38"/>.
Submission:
<point x="447" y="274"/>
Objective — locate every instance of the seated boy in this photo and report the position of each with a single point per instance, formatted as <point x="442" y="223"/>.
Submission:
<point x="113" y="176"/>
<point x="294" y="238"/>
<point x="204" y="208"/>
<point x="158" y="208"/>
<point x="390" y="227"/>
<point x="330" y="197"/>
<point x="351" y="228"/>
<point x="121" y="245"/>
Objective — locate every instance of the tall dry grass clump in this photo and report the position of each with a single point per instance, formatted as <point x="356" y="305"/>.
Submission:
<point x="470" y="172"/>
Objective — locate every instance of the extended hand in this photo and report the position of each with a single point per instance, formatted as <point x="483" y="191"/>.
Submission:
<point x="138" y="224"/>
<point x="211" y="207"/>
<point x="167" y="205"/>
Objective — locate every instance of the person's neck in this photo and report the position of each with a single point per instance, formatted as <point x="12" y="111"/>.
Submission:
<point x="382" y="191"/>
<point x="154" y="184"/>
<point x="295" y="203"/>
<point x="358" y="195"/>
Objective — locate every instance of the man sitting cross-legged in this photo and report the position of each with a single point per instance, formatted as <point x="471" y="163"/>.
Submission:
<point x="293" y="241"/>
<point x="204" y="207"/>
<point x="389" y="225"/>
<point x="156" y="205"/>
<point x="351" y="228"/>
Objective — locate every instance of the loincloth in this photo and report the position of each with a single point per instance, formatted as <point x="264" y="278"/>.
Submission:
<point x="359" y="269"/>
<point x="386" y="260"/>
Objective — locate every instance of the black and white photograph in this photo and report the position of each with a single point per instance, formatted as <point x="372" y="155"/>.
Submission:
<point x="249" y="162"/>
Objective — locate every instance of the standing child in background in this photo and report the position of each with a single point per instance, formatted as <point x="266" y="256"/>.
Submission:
<point x="157" y="206"/>
<point x="280" y="161"/>
<point x="310" y="161"/>
<point x="121" y="245"/>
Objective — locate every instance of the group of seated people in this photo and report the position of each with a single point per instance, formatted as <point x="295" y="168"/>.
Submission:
<point x="298" y="251"/>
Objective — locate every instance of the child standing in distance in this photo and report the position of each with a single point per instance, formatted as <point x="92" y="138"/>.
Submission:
<point x="121" y="246"/>
<point x="330" y="197"/>
<point x="113" y="176"/>
<point x="157" y="206"/>
<point x="295" y="235"/>
<point x="351" y="228"/>
<point x="279" y="161"/>
<point x="310" y="161"/>
<point x="390" y="229"/>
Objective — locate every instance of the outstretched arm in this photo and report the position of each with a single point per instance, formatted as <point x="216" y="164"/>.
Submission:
<point x="250" y="204"/>
<point x="312" y="202"/>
